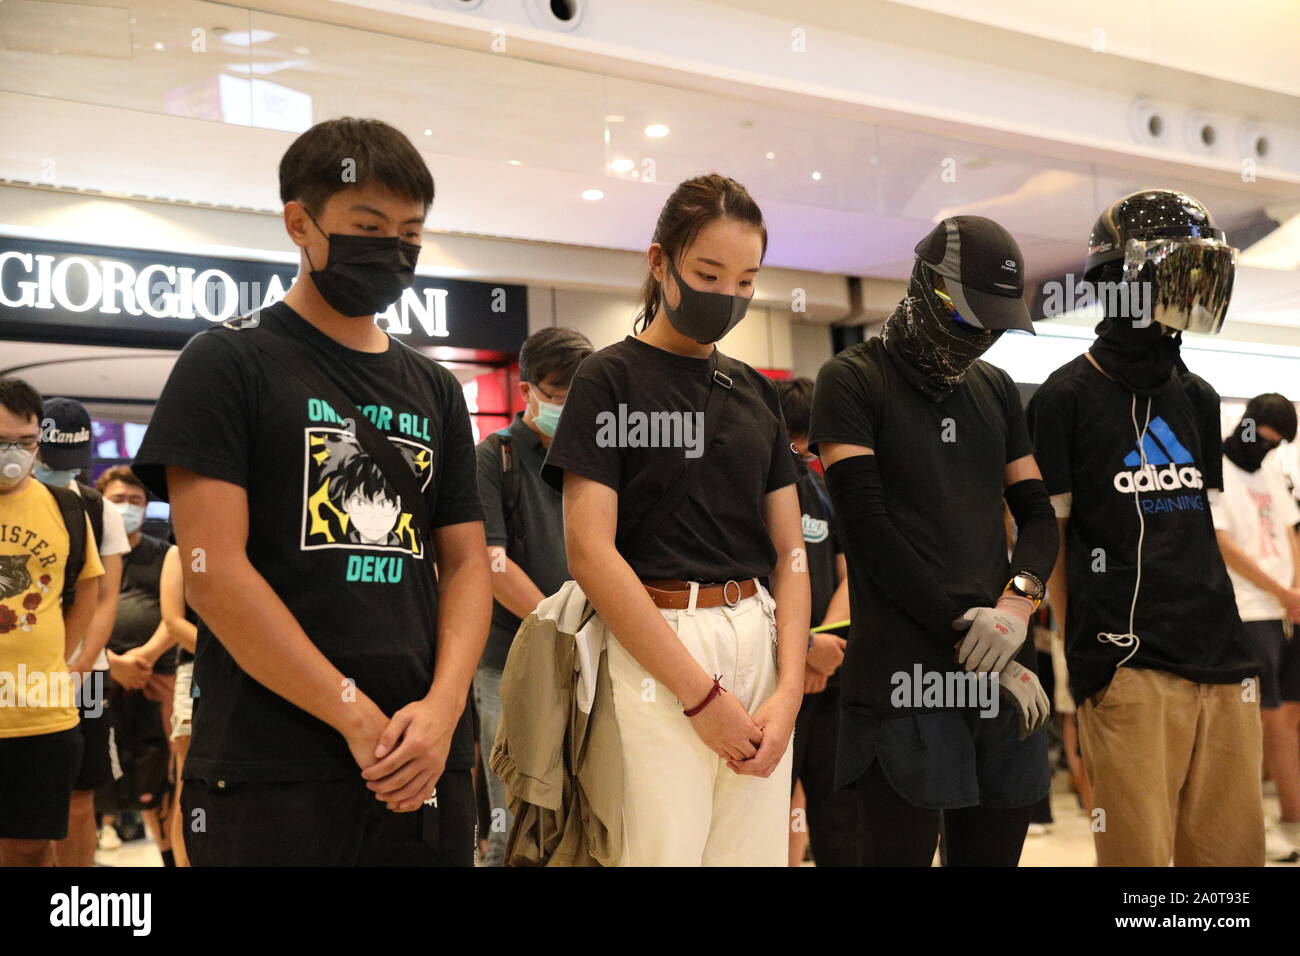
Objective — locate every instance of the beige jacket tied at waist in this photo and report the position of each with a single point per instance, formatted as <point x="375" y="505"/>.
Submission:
<point x="557" y="747"/>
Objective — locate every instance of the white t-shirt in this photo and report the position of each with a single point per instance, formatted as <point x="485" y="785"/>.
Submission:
<point x="1257" y="511"/>
<point x="115" y="542"/>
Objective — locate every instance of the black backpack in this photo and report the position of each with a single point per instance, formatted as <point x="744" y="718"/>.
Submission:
<point x="74" y="512"/>
<point x="512" y="485"/>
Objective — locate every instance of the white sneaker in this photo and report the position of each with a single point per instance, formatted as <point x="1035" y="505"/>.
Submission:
<point x="1037" y="829"/>
<point x="1280" y="844"/>
<point x="108" y="839"/>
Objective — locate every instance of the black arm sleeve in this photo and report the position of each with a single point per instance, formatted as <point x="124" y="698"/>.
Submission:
<point x="875" y="545"/>
<point x="1037" y="533"/>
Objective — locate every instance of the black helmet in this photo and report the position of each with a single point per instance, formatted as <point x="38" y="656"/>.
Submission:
<point x="1174" y="261"/>
<point x="1147" y="214"/>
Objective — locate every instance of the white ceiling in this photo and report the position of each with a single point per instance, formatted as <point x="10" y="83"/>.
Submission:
<point x="110" y="112"/>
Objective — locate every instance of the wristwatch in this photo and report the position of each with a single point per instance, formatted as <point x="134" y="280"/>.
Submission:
<point x="1027" y="585"/>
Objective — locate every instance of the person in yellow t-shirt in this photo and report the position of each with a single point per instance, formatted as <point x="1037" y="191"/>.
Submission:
<point x="40" y="749"/>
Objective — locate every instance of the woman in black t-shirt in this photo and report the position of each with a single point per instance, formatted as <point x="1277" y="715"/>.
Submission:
<point x="706" y="668"/>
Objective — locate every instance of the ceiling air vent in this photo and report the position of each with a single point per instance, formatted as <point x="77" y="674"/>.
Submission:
<point x="556" y="14"/>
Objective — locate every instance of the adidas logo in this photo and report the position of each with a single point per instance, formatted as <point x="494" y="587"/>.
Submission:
<point x="1169" y="465"/>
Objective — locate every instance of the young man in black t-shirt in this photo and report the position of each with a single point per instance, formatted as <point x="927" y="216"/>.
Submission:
<point x="834" y="817"/>
<point x="1130" y="446"/>
<point x="333" y="668"/>
<point x="922" y="442"/>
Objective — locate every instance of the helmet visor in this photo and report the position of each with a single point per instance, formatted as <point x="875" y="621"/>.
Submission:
<point x="1187" y="282"/>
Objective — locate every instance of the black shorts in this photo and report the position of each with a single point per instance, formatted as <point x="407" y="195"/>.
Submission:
<point x="947" y="760"/>
<point x="1288" y="677"/>
<point x="142" y="753"/>
<point x="36" y="784"/>
<point x="324" y="823"/>
<point x="99" y="763"/>
<point x="1281" y="665"/>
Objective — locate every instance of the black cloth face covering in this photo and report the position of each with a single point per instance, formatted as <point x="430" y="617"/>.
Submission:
<point x="364" y="274"/>
<point x="933" y="350"/>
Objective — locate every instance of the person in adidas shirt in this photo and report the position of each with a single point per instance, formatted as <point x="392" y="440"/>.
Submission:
<point x="1129" y="444"/>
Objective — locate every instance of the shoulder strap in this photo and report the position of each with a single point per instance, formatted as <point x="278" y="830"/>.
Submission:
<point x="74" y="519"/>
<point x="510" y="485"/>
<point x="513" y="485"/>
<point x="395" y="468"/>
<point x="719" y="388"/>
<point x="94" y="503"/>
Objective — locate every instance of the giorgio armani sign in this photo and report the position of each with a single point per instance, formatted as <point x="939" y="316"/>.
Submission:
<point x="62" y="292"/>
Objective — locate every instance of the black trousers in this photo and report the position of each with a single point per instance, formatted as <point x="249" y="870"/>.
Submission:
<point x="898" y="833"/>
<point x="325" y="823"/>
<point x="834" y="816"/>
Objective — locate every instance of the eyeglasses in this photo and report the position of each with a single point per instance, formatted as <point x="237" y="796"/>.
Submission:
<point x="550" y="398"/>
<point x="26" y="444"/>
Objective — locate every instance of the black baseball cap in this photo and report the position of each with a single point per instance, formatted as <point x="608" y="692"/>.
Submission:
<point x="983" y="271"/>
<point x="66" y="435"/>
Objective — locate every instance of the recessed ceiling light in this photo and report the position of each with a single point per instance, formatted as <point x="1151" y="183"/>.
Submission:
<point x="656" y="130"/>
<point x="593" y="194"/>
<point x="817" y="176"/>
<point x="428" y="132"/>
<point x="514" y="162"/>
<point x="159" y="45"/>
<point x="248" y="37"/>
<point x="614" y="118"/>
<point x="621" y="165"/>
<point x="771" y="155"/>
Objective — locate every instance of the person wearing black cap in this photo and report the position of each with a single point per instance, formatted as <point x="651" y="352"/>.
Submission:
<point x="1256" y="525"/>
<point x="1130" y="445"/>
<point x="922" y="441"/>
<point x="65" y="462"/>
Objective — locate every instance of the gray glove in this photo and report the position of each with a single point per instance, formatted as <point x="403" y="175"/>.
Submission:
<point x="993" y="634"/>
<point x="1023" y="688"/>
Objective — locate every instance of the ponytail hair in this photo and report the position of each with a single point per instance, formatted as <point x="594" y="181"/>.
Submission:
<point x="693" y="205"/>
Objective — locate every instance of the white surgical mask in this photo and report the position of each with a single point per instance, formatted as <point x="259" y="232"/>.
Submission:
<point x="132" y="515"/>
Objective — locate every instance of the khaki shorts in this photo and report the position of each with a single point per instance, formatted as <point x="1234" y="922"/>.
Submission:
<point x="1175" y="771"/>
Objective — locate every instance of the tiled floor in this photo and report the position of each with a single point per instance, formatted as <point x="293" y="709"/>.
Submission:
<point x="1068" y="841"/>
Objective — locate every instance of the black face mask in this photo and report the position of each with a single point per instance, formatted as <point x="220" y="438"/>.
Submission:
<point x="1246" y="455"/>
<point x="1142" y="359"/>
<point x="935" y="349"/>
<point x="364" y="274"/>
<point x="703" y="316"/>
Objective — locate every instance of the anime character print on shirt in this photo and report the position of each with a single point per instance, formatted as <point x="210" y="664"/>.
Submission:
<point x="349" y="503"/>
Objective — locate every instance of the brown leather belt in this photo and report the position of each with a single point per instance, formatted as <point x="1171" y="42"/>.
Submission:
<point x="673" y="595"/>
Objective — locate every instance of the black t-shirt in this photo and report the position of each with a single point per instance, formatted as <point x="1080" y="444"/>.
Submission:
<point x="943" y="467"/>
<point x="820" y="538"/>
<point x="325" y="529"/>
<point x="540" y="552"/>
<point x="1186" y="618"/>
<point x="138" y="608"/>
<point x="821" y="542"/>
<point x="634" y="415"/>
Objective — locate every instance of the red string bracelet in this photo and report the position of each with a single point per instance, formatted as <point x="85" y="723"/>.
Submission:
<point x="714" y="691"/>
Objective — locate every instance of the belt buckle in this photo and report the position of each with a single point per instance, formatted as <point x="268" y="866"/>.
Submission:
<point x="730" y="602"/>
